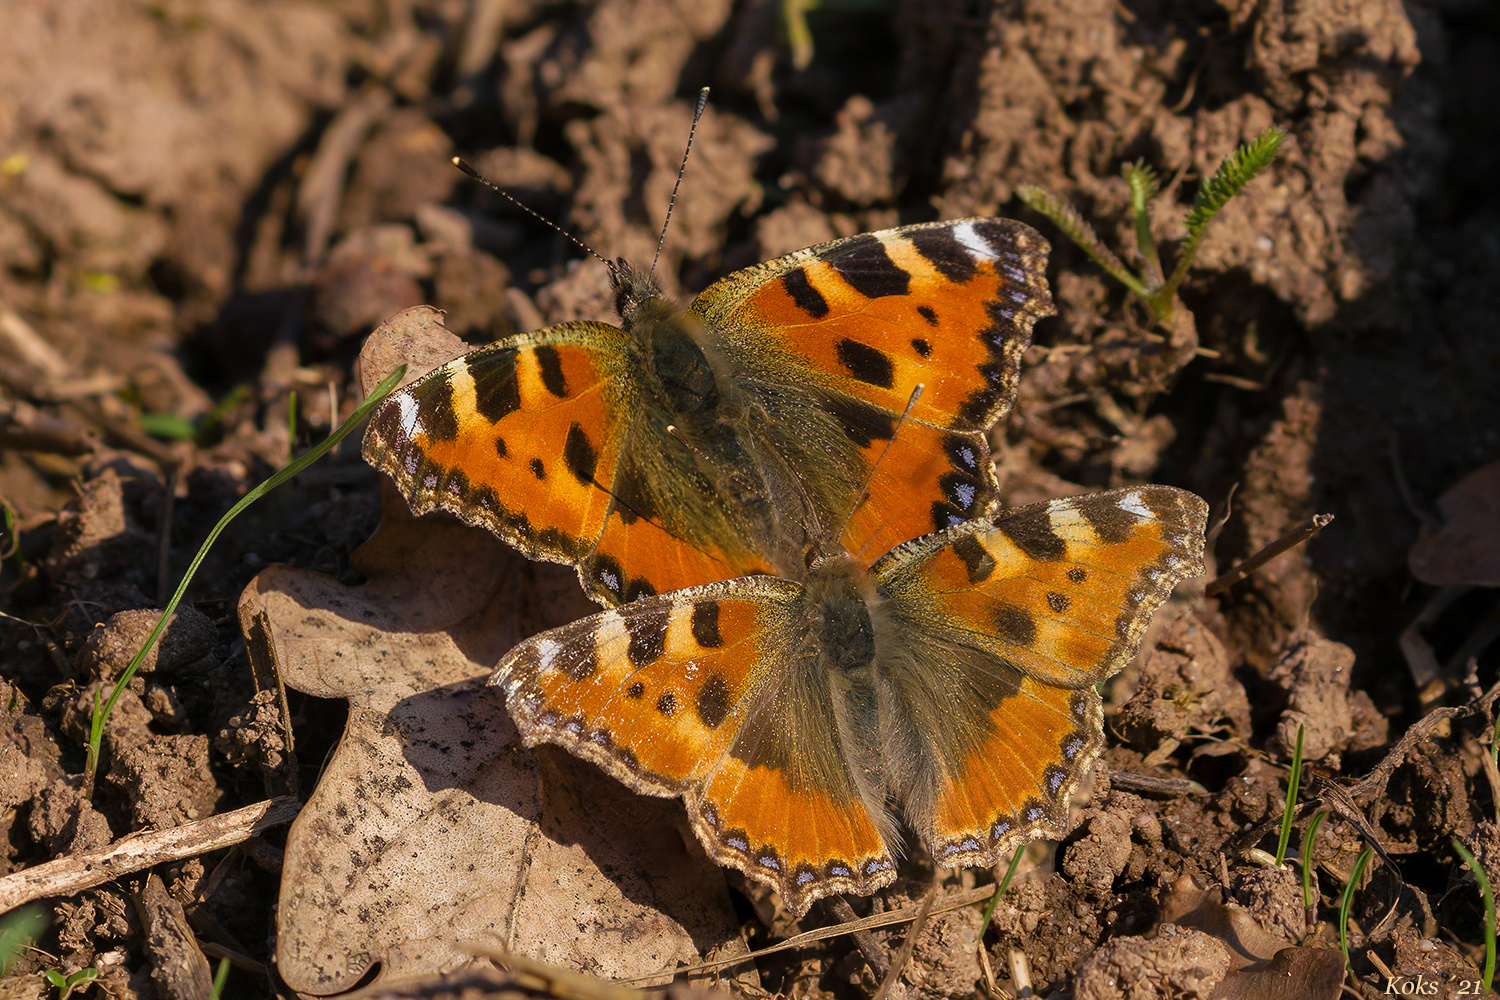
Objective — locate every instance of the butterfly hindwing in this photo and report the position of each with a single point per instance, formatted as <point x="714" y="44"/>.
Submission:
<point x="1036" y="605"/>
<point x="698" y="693"/>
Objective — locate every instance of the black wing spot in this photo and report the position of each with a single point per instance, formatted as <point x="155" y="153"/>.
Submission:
<point x="866" y="363"/>
<point x="667" y="703"/>
<point x="648" y="636"/>
<point x="579" y="454"/>
<point x="1014" y="624"/>
<point x="1058" y="602"/>
<point x="550" y="363"/>
<point x="922" y="347"/>
<point x="862" y="261"/>
<point x="804" y="295"/>
<point x="538" y="469"/>
<point x="977" y="560"/>
<point x="713" y="701"/>
<point x="951" y="258"/>
<point x="500" y="448"/>
<point x="636" y="691"/>
<point x="1032" y="533"/>
<point x="435" y="412"/>
<point x="930" y="315"/>
<point x="1078" y="574"/>
<point x="582" y="668"/>
<point x="706" y="624"/>
<point x="496" y="393"/>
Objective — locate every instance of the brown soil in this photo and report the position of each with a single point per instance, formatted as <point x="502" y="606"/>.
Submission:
<point x="205" y="207"/>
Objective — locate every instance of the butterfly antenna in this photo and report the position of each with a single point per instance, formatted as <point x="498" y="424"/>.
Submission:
<point x="864" y="491"/>
<point x="702" y="104"/>
<point x="463" y="165"/>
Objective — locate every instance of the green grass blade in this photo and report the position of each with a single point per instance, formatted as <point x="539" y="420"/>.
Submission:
<point x="1294" y="785"/>
<point x="1237" y="170"/>
<point x="1144" y="186"/>
<point x="1073" y="225"/>
<point x="1309" y="836"/>
<point x="989" y="909"/>
<point x="1489" y="911"/>
<point x="101" y="714"/>
<point x="1348" y="900"/>
<point x="220" y="978"/>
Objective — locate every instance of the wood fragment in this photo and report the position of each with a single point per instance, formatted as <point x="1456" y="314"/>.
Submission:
<point x="1296" y="536"/>
<point x="178" y="966"/>
<point x="77" y="872"/>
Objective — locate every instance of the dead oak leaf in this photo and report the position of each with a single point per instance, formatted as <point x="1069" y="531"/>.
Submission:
<point x="432" y="827"/>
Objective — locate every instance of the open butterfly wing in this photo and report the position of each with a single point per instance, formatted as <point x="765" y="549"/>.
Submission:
<point x="698" y="694"/>
<point x="864" y="320"/>
<point x="1027" y="611"/>
<point x="526" y="437"/>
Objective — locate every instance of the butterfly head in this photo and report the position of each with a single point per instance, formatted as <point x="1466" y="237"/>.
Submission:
<point x="633" y="290"/>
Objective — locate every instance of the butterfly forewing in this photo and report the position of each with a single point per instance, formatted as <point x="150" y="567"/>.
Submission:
<point x="949" y="305"/>
<point x="695" y="694"/>
<point x="522" y="437"/>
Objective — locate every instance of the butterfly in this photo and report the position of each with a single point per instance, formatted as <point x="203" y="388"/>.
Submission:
<point x="954" y="677"/>
<point x="729" y="438"/>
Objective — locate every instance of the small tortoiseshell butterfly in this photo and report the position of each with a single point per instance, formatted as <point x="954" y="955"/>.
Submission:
<point x="954" y="677"/>
<point x="730" y="438"/>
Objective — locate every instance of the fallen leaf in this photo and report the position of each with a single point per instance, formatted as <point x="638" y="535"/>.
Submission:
<point x="1291" y="974"/>
<point x="1466" y="548"/>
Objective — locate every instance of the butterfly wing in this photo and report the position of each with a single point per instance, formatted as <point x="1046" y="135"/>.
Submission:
<point x="862" y="321"/>
<point x="702" y="693"/>
<point x="1019" y="615"/>
<point x="527" y="437"/>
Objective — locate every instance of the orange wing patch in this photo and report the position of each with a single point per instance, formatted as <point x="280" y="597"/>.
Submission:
<point x="1015" y="787"/>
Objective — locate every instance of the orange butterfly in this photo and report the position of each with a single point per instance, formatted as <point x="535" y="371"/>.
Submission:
<point x="954" y="677"/>
<point x="728" y="438"/>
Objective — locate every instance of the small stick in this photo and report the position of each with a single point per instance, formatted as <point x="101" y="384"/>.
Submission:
<point x="133" y="852"/>
<point x="874" y="952"/>
<point x="904" y="955"/>
<point x="1296" y="536"/>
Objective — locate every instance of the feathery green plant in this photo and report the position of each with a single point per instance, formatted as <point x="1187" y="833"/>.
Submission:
<point x="1308" y="837"/>
<point x="1348" y="901"/>
<point x="1158" y="292"/>
<point x="1489" y="911"/>
<point x="102" y="707"/>
<point x="1294" y="784"/>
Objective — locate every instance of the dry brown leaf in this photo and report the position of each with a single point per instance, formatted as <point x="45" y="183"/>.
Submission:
<point x="1292" y="974"/>
<point x="431" y="826"/>
<point x="1466" y="549"/>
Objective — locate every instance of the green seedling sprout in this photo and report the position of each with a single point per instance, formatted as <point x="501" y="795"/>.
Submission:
<point x="1292" y="788"/>
<point x="1157" y="291"/>
<point x="1308" y="837"/>
<point x="291" y="424"/>
<point x="102" y="707"/>
<point x="1348" y="900"/>
<point x="66" y="984"/>
<point x="1489" y="911"/>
